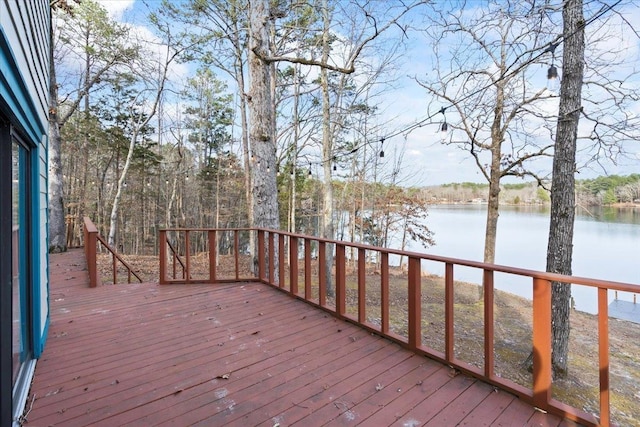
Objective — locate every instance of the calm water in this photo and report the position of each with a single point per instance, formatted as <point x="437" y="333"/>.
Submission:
<point x="606" y="245"/>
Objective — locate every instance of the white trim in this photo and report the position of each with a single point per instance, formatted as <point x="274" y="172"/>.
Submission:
<point x="21" y="390"/>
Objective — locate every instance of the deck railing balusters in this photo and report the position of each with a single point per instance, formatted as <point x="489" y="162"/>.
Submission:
<point x="541" y="392"/>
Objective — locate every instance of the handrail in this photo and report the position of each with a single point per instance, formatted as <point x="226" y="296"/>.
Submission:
<point x="91" y="238"/>
<point x="176" y="257"/>
<point x="272" y="247"/>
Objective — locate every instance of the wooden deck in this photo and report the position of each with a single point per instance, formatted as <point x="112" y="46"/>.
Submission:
<point x="243" y="354"/>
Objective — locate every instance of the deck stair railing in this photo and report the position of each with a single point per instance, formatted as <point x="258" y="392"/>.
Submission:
<point x="281" y="256"/>
<point x="91" y="240"/>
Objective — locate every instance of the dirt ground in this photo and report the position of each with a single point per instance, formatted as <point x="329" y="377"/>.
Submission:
<point x="513" y="336"/>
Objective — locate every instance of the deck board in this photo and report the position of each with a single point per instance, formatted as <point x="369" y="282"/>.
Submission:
<point x="236" y="354"/>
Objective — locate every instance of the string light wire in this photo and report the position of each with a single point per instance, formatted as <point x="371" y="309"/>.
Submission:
<point x="547" y="48"/>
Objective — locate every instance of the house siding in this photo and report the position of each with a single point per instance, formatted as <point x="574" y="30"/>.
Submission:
<point x="24" y="92"/>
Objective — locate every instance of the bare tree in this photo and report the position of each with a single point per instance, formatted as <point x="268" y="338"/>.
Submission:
<point x="484" y="70"/>
<point x="83" y="34"/>
<point x="150" y="90"/>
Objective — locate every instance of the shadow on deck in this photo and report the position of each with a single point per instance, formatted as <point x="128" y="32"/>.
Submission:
<point x="237" y="354"/>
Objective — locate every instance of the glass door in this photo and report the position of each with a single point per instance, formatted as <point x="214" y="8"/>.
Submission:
<point x="20" y="284"/>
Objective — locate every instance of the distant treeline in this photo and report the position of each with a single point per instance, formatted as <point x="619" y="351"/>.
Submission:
<point x="603" y="190"/>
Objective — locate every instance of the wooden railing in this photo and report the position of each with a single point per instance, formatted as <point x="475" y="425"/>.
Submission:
<point x="278" y="252"/>
<point x="91" y="240"/>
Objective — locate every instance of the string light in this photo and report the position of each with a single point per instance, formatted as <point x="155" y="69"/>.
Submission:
<point x="552" y="76"/>
<point x="444" y="128"/>
<point x="382" y="148"/>
<point x="552" y="72"/>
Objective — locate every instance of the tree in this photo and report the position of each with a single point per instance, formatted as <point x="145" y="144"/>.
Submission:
<point x="500" y="110"/>
<point x="83" y="34"/>
<point x="560" y="247"/>
<point x="150" y="87"/>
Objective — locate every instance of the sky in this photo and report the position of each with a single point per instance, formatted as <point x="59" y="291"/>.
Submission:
<point x="427" y="161"/>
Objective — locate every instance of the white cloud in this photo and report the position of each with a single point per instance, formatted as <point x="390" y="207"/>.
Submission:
<point x="116" y="8"/>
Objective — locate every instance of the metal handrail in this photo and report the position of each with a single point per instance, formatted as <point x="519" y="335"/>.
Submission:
<point x="271" y="249"/>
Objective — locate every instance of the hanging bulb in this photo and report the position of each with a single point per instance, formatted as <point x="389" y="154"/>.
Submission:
<point x="552" y="72"/>
<point x="335" y="168"/>
<point x="278" y="171"/>
<point x="381" y="148"/>
<point x="268" y="168"/>
<point x="187" y="177"/>
<point x="166" y="181"/>
<point x="149" y="184"/>
<point x="381" y="153"/>
<point x="291" y="172"/>
<point x="309" y="169"/>
<point x="552" y="78"/>
<point x="444" y="129"/>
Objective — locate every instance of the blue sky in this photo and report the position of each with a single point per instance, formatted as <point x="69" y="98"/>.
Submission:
<point x="427" y="161"/>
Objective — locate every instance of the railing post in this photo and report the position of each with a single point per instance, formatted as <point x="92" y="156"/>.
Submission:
<point x="362" y="280"/>
<point x="163" y="257"/>
<point x="293" y="265"/>
<point x="341" y="272"/>
<point x="603" y="355"/>
<point x="449" y="337"/>
<point x="384" y="292"/>
<point x="90" y="242"/>
<point x="322" y="273"/>
<point x="281" y="268"/>
<point x="415" y="303"/>
<point x="213" y="253"/>
<point x="307" y="268"/>
<point x="261" y="272"/>
<point x="487" y="283"/>
<point x="541" y="342"/>
<point x="272" y="258"/>
<point x="236" y="245"/>
<point x="187" y="255"/>
<point x="114" y="269"/>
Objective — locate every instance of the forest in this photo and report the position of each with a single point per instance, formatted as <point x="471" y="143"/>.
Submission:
<point x="152" y="125"/>
<point x="600" y="191"/>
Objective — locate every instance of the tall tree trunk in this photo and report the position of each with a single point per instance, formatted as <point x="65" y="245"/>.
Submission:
<point x="493" y="202"/>
<point x="57" y="235"/>
<point x="560" y="248"/>
<point x="263" y="170"/>
<point x="244" y="122"/>
<point x="327" y="148"/>
<point x="294" y="149"/>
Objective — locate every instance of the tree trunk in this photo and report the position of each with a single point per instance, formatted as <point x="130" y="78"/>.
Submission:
<point x="263" y="170"/>
<point x="327" y="187"/>
<point x="560" y="248"/>
<point x="495" y="174"/>
<point x="57" y="235"/>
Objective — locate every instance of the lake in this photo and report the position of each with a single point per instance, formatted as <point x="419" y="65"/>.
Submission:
<point x="606" y="245"/>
